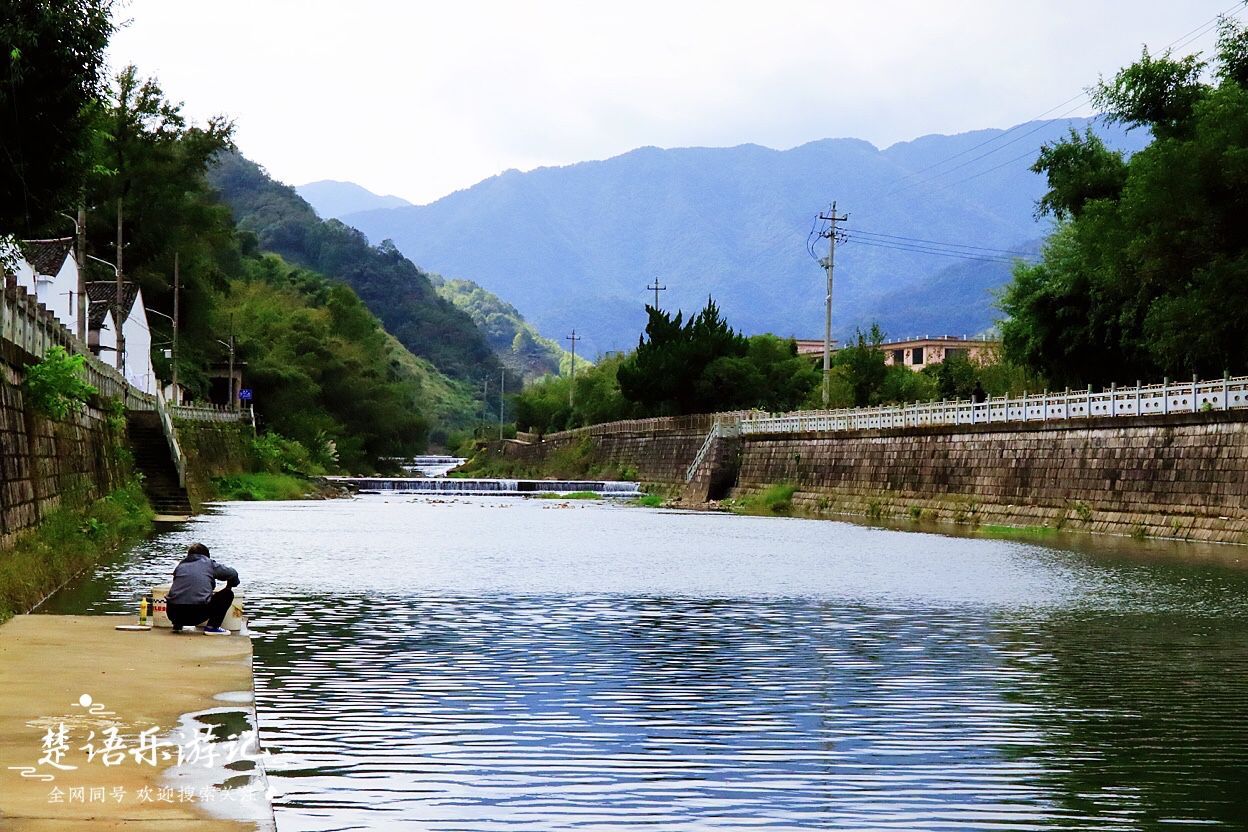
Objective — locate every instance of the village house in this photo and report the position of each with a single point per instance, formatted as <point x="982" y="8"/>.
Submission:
<point x="48" y="270"/>
<point x="917" y="353"/>
<point x="102" y="331"/>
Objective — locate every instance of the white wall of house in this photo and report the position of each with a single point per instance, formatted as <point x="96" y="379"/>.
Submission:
<point x="58" y="292"/>
<point x="138" y="357"/>
<point x="107" y="335"/>
<point x="25" y="274"/>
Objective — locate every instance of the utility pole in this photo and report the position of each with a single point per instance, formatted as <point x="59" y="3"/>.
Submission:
<point x="657" y="288"/>
<point x="177" y="289"/>
<point x="485" y="407"/>
<point x="120" y="314"/>
<point x="502" y="389"/>
<point x="82" y="272"/>
<point x="831" y="233"/>
<point x="574" y="338"/>
<point x="233" y="392"/>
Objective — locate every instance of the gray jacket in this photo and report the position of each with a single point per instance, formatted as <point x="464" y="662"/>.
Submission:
<point x="195" y="578"/>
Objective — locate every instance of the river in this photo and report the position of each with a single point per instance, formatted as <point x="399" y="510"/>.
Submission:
<point x="507" y="664"/>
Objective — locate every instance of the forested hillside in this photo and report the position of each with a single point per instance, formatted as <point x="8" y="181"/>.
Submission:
<point x="331" y="386"/>
<point x="576" y="246"/>
<point x="394" y="289"/>
<point x="524" y="350"/>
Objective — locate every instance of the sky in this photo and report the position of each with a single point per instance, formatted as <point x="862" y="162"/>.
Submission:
<point x="419" y="99"/>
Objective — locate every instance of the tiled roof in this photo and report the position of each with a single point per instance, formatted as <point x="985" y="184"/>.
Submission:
<point x="103" y="295"/>
<point x="46" y="256"/>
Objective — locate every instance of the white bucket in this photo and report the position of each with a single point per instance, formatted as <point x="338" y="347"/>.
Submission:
<point x="160" y="609"/>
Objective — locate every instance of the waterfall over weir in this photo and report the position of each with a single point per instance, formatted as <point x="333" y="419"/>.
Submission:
<point x="498" y="488"/>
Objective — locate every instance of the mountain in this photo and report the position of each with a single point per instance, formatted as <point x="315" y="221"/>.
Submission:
<point x="333" y="199"/>
<point x="521" y="348"/>
<point x="576" y="246"/>
<point x="393" y="289"/>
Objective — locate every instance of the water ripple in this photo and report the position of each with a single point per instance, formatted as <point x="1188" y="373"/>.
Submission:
<point x="560" y="673"/>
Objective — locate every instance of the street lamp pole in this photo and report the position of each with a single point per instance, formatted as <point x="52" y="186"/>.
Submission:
<point x="233" y="401"/>
<point x="117" y="320"/>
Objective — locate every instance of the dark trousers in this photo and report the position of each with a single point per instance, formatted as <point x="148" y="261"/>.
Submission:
<point x="191" y="615"/>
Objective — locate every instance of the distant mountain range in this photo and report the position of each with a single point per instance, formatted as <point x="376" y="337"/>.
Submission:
<point x="576" y="246"/>
<point x="333" y="200"/>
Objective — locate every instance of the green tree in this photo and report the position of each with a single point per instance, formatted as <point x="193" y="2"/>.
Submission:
<point x="665" y="373"/>
<point x="861" y="368"/>
<point x="51" y="66"/>
<point x="152" y="161"/>
<point x="1150" y="256"/>
<point x="954" y="377"/>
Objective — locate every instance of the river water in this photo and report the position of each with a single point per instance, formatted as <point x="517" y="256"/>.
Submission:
<point x="507" y="664"/>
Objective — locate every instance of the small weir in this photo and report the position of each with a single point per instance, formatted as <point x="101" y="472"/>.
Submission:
<point x="498" y="488"/>
<point x="429" y="466"/>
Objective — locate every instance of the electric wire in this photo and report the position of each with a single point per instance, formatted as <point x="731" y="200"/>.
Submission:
<point x="937" y="252"/>
<point x="1178" y="43"/>
<point x="937" y="243"/>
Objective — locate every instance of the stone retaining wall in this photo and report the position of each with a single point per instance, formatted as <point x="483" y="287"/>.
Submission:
<point x="213" y="449"/>
<point x="45" y="464"/>
<point x="1163" y="476"/>
<point x="657" y="451"/>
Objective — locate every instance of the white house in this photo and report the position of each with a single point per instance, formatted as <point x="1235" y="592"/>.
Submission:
<point x="47" y="270"/>
<point x="102" y="331"/>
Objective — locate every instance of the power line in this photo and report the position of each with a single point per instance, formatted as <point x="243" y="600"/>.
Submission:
<point x="859" y="231"/>
<point x="1179" y="42"/>
<point x="937" y="252"/>
<point x="1037" y="128"/>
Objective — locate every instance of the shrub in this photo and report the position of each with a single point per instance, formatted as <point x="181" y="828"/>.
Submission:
<point x="278" y="455"/>
<point x="55" y="386"/>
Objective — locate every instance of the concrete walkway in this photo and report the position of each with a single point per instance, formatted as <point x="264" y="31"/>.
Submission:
<point x="51" y="665"/>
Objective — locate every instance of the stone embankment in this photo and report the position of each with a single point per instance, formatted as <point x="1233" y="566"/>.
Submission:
<point x="46" y="463"/>
<point x="655" y="451"/>
<point x="1175" y="476"/>
<point x="213" y="448"/>
<point x="1158" y="476"/>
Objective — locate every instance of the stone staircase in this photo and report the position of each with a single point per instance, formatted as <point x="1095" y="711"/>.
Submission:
<point x="154" y="460"/>
<point x="713" y="471"/>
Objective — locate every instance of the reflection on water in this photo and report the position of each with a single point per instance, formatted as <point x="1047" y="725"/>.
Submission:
<point x="481" y="665"/>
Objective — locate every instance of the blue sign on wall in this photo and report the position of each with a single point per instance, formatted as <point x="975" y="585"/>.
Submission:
<point x="244" y="394"/>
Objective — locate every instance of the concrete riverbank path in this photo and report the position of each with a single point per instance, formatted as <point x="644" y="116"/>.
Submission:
<point x="95" y="731"/>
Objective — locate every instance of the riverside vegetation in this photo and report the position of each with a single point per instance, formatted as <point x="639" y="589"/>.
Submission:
<point x="75" y="535"/>
<point x="68" y="541"/>
<point x="118" y="144"/>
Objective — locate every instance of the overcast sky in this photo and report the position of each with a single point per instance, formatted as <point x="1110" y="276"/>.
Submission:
<point x="420" y="99"/>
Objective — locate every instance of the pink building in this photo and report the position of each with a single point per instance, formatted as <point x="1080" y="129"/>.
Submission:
<point x="917" y="353"/>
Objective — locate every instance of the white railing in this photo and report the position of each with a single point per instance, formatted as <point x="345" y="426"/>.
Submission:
<point x="723" y="428"/>
<point x="171" y="435"/>
<point x="207" y="413"/>
<point x="1141" y="400"/>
